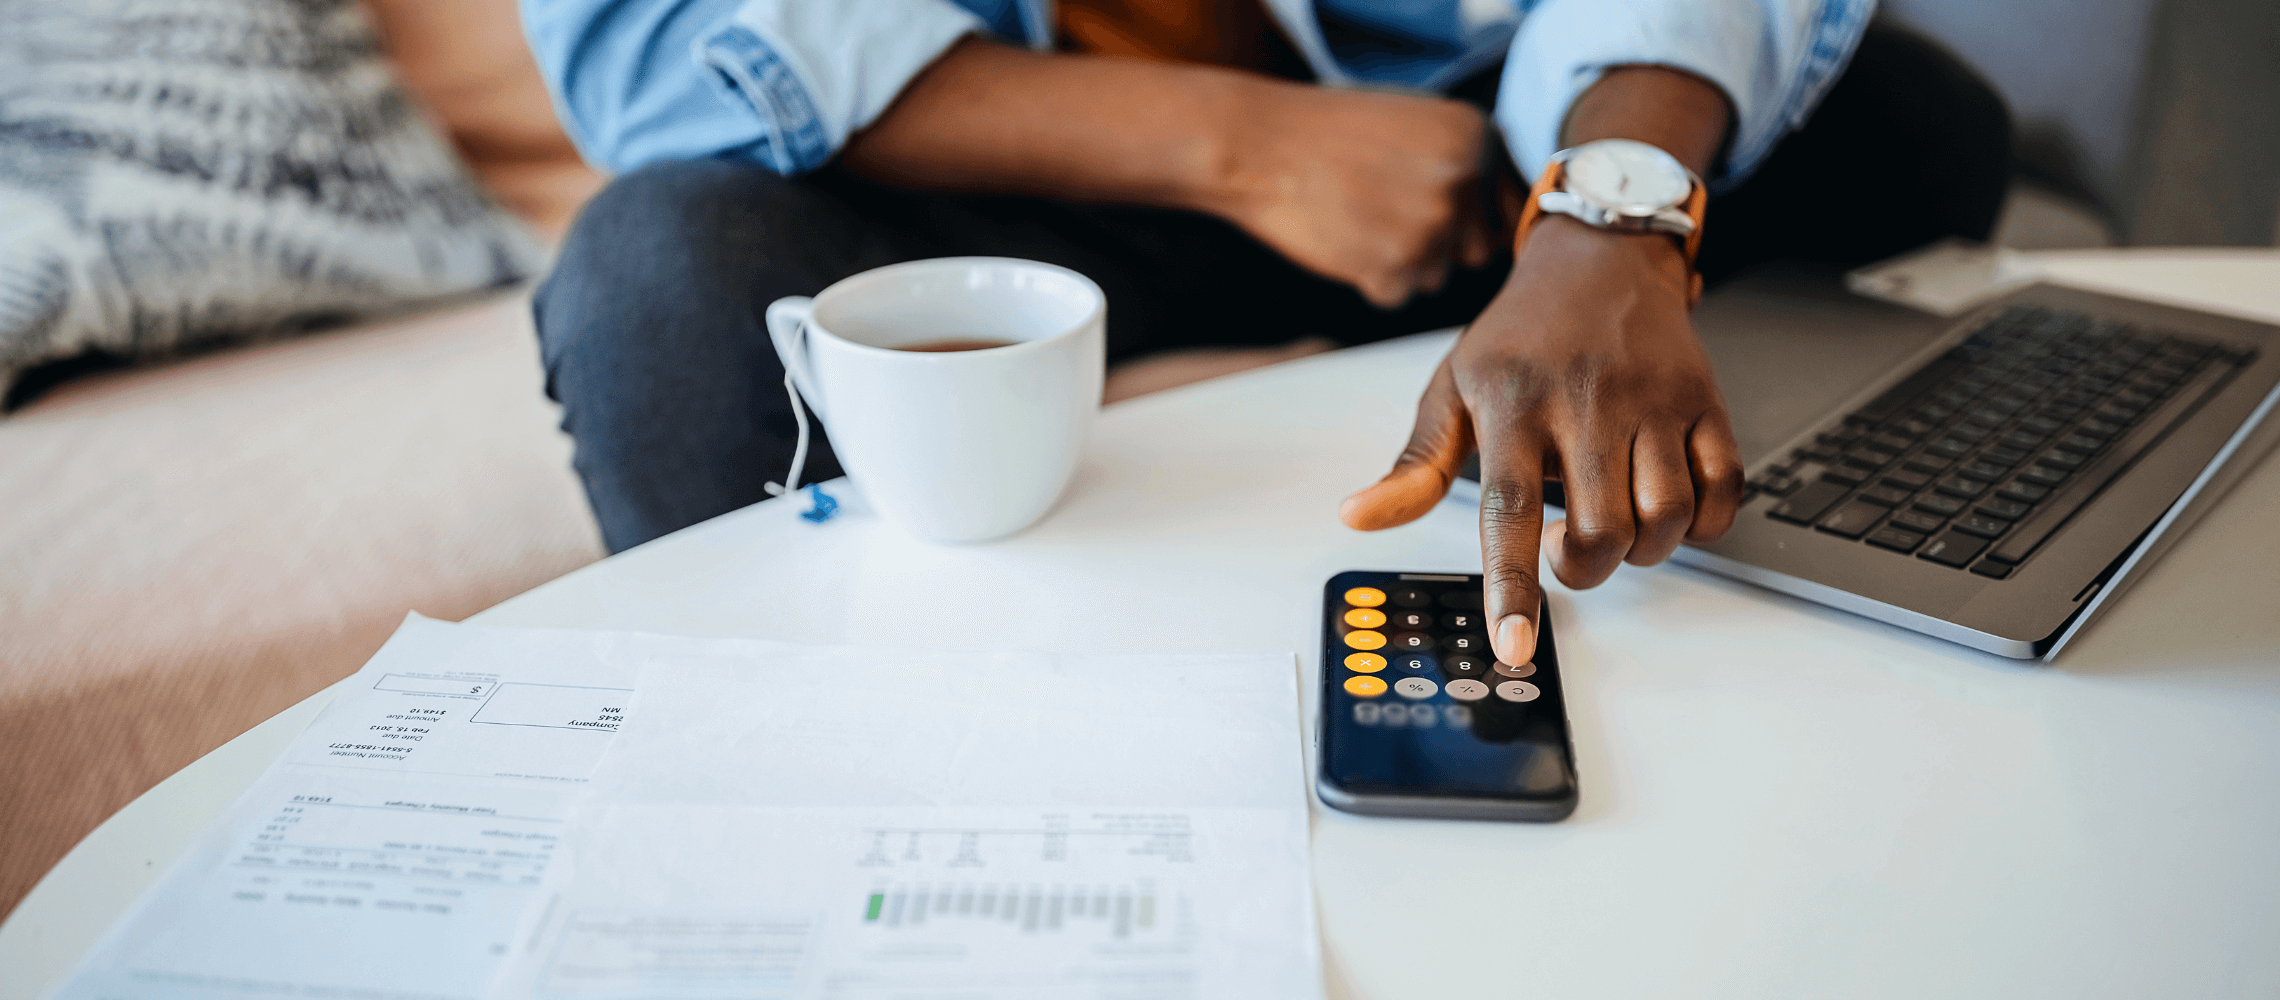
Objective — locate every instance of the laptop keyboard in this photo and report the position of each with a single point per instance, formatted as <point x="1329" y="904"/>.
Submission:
<point x="1979" y="456"/>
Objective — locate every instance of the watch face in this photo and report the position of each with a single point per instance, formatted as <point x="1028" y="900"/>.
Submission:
<point x="1631" y="178"/>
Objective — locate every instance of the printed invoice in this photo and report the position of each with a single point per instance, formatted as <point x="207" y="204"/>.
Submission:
<point x="958" y="824"/>
<point x="391" y="851"/>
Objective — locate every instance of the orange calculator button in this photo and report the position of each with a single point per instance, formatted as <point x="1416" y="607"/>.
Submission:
<point x="1365" y="663"/>
<point x="1365" y="597"/>
<point x="1365" y="618"/>
<point x="1365" y="639"/>
<point x="1364" y="686"/>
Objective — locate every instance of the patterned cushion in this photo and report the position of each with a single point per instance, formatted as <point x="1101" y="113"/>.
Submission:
<point x="176" y="174"/>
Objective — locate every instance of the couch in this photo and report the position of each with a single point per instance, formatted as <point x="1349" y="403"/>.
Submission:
<point x="187" y="549"/>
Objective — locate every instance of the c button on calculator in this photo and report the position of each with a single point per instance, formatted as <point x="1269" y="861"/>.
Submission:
<point x="1518" y="691"/>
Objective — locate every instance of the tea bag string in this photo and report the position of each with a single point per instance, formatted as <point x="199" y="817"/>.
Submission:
<point x="791" y="482"/>
<point x="823" y="505"/>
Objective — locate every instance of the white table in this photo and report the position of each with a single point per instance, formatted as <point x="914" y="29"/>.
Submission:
<point x="1778" y="800"/>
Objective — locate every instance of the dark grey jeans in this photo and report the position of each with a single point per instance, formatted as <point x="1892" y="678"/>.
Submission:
<point x="651" y="322"/>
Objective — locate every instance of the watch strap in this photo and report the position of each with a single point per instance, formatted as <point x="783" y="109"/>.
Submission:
<point x="1531" y="208"/>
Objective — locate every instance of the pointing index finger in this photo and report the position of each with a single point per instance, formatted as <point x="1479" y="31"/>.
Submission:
<point x="1511" y="529"/>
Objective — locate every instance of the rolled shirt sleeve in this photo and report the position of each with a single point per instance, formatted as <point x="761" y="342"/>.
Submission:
<point x="1773" y="58"/>
<point x="782" y="83"/>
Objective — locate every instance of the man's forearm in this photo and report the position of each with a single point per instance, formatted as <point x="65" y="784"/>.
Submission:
<point x="987" y="117"/>
<point x="1379" y="191"/>
<point x="1680" y="113"/>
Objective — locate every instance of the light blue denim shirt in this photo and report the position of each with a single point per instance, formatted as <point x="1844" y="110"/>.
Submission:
<point x="783" y="83"/>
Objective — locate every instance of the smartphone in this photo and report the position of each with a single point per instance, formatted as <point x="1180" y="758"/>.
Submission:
<point x="1418" y="716"/>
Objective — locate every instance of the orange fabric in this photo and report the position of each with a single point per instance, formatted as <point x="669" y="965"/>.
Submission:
<point x="467" y="64"/>
<point x="1222" y="32"/>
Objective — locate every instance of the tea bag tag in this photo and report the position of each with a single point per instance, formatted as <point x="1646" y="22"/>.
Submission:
<point x="825" y="506"/>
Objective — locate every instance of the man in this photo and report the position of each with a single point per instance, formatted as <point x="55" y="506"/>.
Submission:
<point x="1186" y="155"/>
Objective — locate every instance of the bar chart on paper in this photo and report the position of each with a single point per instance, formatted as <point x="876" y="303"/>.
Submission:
<point x="1029" y="877"/>
<point x="1121" y="911"/>
<point x="904" y="904"/>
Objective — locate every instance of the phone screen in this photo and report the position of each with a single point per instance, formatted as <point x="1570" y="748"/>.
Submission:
<point x="1415" y="706"/>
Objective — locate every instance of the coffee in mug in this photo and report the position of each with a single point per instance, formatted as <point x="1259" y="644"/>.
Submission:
<point x="952" y="438"/>
<point x="949" y="344"/>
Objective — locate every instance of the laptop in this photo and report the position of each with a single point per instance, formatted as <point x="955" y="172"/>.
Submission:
<point x="1994" y="480"/>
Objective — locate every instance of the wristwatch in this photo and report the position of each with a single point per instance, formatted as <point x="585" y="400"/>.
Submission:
<point x="1624" y="185"/>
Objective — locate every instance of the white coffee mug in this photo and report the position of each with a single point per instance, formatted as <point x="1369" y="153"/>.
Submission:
<point x="953" y="446"/>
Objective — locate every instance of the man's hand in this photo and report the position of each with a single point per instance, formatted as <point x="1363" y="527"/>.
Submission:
<point x="1380" y="191"/>
<point x="1586" y="369"/>
<point x="1583" y="369"/>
